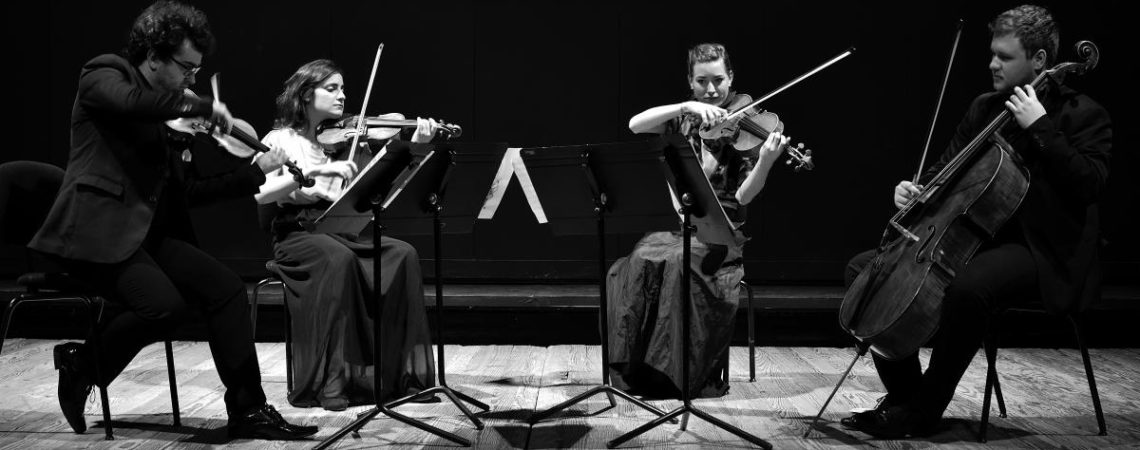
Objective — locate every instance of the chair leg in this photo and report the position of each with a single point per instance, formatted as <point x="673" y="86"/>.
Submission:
<point x="6" y="320"/>
<point x="96" y="345"/>
<point x="990" y="348"/>
<point x="173" y="383"/>
<point x="751" y="334"/>
<point x="288" y="346"/>
<point x="997" y="393"/>
<point x="1103" y="431"/>
<point x="253" y="305"/>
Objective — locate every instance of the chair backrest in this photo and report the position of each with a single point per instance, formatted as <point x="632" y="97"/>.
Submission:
<point x="27" y="192"/>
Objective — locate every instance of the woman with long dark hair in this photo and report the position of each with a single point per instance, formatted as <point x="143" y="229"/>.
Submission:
<point x="328" y="277"/>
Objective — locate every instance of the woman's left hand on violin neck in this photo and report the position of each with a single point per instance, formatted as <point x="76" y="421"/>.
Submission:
<point x="426" y="129"/>
<point x="270" y="161"/>
<point x="772" y="147"/>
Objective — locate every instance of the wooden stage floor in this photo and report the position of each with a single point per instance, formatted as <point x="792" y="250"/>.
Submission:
<point x="1046" y="392"/>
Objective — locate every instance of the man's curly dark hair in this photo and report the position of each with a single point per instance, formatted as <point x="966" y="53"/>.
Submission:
<point x="163" y="26"/>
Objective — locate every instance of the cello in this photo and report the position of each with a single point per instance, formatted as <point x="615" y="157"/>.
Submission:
<point x="894" y="305"/>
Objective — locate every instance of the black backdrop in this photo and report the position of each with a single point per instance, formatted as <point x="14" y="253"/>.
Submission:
<point x="536" y="73"/>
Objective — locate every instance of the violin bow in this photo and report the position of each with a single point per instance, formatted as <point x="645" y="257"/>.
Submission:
<point x="789" y="84"/>
<point x="938" y="106"/>
<point x="214" y="88"/>
<point x="364" y="107"/>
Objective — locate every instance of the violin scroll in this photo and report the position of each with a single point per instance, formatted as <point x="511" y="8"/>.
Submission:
<point x="799" y="156"/>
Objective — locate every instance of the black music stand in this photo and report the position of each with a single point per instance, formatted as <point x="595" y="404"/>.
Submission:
<point x="450" y="186"/>
<point x="370" y="194"/>
<point x="580" y="187"/>
<point x="688" y="184"/>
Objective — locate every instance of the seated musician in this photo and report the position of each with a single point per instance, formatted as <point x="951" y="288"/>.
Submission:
<point x="328" y="277"/>
<point x="120" y="222"/>
<point x="644" y="287"/>
<point x="1046" y="253"/>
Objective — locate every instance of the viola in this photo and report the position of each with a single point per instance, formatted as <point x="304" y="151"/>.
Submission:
<point x="241" y="141"/>
<point x="376" y="129"/>
<point x="749" y="126"/>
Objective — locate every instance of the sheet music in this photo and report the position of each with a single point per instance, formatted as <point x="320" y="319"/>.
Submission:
<point x="372" y="162"/>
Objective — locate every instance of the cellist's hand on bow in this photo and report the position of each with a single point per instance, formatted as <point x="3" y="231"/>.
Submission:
<point x="425" y="129"/>
<point x="904" y="192"/>
<point x="710" y="115"/>
<point x="1025" y="106"/>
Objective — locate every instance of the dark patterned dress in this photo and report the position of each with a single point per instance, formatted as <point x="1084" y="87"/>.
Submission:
<point x="644" y="291"/>
<point x="329" y="284"/>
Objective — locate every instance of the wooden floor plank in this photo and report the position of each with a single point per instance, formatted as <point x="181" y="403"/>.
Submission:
<point x="1045" y="389"/>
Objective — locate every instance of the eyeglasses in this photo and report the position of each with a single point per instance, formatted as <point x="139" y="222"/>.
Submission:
<point x="187" y="68"/>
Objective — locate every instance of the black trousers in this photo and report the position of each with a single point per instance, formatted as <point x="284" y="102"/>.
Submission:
<point x="156" y="287"/>
<point x="1000" y="275"/>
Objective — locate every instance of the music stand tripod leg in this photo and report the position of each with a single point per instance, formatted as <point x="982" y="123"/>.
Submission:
<point x="437" y="208"/>
<point x="605" y="387"/>
<point x="686" y="401"/>
<point x="378" y="361"/>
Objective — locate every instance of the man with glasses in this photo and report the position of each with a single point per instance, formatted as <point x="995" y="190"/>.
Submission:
<point x="121" y="224"/>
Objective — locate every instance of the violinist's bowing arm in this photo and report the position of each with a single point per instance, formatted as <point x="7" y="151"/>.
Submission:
<point x="280" y="183"/>
<point x="108" y="89"/>
<point x="769" y="152"/>
<point x="653" y="119"/>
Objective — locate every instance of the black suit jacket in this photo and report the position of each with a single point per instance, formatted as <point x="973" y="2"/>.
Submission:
<point x="121" y="166"/>
<point x="1067" y="155"/>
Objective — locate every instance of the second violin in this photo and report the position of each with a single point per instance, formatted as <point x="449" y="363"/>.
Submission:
<point x="378" y="128"/>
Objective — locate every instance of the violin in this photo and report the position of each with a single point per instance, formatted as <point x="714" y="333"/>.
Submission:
<point x="379" y="128"/>
<point x="750" y="126"/>
<point x="241" y="141"/>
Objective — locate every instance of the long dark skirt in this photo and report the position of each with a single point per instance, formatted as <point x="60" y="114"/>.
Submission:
<point x="644" y="298"/>
<point x="329" y="281"/>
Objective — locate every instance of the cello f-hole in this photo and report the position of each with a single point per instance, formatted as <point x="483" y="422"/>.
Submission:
<point x="919" y="257"/>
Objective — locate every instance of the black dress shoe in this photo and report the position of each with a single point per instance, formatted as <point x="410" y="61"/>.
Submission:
<point x="864" y="418"/>
<point x="894" y="422"/>
<point x="265" y="422"/>
<point x="74" y="384"/>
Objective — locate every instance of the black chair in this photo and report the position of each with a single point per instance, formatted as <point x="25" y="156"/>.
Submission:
<point x="27" y="191"/>
<point x="994" y="385"/>
<point x="265" y="215"/>
<point x="273" y="279"/>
